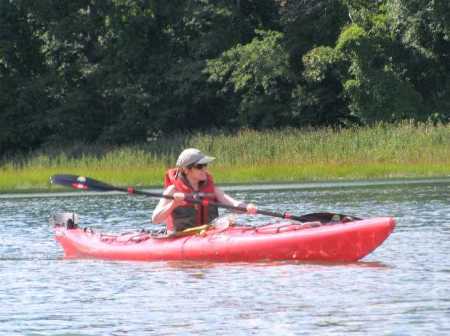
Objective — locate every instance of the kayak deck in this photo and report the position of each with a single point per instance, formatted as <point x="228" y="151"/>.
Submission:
<point x="315" y="241"/>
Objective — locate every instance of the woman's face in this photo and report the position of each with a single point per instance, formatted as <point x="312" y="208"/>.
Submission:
<point x="197" y="172"/>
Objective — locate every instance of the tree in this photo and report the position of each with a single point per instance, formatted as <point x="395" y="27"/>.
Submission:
<point x="23" y="98"/>
<point x="374" y="86"/>
<point x="308" y="24"/>
<point x="318" y="98"/>
<point x="311" y="29"/>
<point x="423" y="28"/>
<point x="259" y="73"/>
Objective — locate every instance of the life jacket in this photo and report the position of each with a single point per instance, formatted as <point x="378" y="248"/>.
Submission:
<point x="190" y="215"/>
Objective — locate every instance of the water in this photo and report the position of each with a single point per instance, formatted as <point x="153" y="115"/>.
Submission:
<point x="400" y="289"/>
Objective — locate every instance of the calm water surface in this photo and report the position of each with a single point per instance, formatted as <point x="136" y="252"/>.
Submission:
<point x="400" y="289"/>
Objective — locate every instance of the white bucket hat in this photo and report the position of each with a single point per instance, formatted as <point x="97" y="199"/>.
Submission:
<point x="193" y="156"/>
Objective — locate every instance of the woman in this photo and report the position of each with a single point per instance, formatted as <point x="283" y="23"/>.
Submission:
<point x="190" y="179"/>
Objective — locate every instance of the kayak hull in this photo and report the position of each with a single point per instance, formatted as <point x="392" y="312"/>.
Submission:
<point x="336" y="242"/>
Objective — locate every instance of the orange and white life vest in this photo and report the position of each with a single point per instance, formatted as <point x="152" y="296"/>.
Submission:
<point x="190" y="215"/>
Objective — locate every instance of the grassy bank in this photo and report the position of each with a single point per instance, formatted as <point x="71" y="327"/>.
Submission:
<point x="381" y="151"/>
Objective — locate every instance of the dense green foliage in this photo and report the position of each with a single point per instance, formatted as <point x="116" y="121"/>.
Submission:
<point x="125" y="71"/>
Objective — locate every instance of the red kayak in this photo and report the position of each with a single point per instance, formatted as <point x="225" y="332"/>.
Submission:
<point x="287" y="240"/>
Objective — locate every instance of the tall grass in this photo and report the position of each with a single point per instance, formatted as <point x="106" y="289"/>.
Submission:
<point x="380" y="151"/>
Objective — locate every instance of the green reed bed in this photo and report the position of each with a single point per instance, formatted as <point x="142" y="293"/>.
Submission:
<point x="381" y="151"/>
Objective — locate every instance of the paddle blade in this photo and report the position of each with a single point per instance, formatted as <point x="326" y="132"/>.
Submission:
<point x="81" y="182"/>
<point x="325" y="217"/>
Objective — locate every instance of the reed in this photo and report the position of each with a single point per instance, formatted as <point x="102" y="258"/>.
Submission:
<point x="248" y="156"/>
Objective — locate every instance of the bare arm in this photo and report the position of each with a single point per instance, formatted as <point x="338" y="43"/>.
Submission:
<point x="166" y="205"/>
<point x="227" y="199"/>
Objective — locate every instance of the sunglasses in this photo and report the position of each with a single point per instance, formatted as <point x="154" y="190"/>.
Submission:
<point x="200" y="166"/>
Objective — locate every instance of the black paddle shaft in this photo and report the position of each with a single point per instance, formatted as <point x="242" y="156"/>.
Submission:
<point x="87" y="183"/>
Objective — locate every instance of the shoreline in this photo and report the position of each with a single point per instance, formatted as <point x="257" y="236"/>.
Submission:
<point x="29" y="181"/>
<point x="382" y="151"/>
<point x="235" y="187"/>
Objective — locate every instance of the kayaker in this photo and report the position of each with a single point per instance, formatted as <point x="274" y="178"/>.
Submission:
<point x="190" y="178"/>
